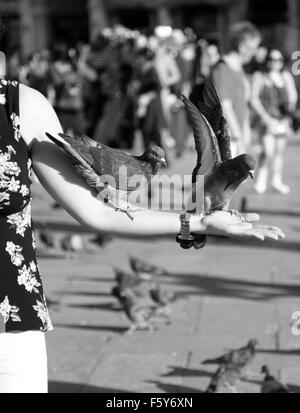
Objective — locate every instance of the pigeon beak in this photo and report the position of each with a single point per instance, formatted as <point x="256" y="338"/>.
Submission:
<point x="163" y="162"/>
<point x="251" y="173"/>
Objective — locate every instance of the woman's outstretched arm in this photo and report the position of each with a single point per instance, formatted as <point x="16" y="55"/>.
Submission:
<point x="55" y="172"/>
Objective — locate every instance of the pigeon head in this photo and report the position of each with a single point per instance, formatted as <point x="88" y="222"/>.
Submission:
<point x="155" y="155"/>
<point x="239" y="169"/>
<point x="252" y="343"/>
<point x="265" y="370"/>
<point x="245" y="164"/>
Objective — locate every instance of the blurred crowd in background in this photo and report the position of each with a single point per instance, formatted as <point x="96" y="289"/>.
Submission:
<point x="127" y="81"/>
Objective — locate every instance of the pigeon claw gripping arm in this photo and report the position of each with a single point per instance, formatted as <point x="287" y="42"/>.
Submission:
<point x="185" y="238"/>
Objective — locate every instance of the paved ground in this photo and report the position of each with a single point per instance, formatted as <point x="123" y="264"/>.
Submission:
<point x="229" y="292"/>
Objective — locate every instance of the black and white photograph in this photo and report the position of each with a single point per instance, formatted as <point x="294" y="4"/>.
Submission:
<point x="149" y="199"/>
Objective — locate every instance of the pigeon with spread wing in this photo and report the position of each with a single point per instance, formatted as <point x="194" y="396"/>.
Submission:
<point x="222" y="174"/>
<point x="113" y="173"/>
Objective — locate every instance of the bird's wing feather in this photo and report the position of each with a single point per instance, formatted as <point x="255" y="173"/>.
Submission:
<point x="117" y="166"/>
<point x="210" y="106"/>
<point x="120" y="165"/>
<point x="206" y="143"/>
<point x="75" y="154"/>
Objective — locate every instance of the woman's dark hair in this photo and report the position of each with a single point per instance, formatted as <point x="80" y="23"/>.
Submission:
<point x="240" y="32"/>
<point x="270" y="57"/>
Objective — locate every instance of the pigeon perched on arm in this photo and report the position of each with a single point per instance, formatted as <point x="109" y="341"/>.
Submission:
<point x="101" y="167"/>
<point x="270" y="384"/>
<point x="239" y="358"/>
<point x="222" y="173"/>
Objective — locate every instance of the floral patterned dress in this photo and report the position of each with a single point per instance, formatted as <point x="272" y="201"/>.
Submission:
<point x="22" y="301"/>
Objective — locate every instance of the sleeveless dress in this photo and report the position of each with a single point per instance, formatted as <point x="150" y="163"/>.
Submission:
<point x="22" y="301"/>
<point x="276" y="102"/>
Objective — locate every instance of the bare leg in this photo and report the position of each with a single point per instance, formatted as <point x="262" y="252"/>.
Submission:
<point x="263" y="171"/>
<point x="277" y="166"/>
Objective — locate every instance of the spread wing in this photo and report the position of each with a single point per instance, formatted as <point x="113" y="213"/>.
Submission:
<point x="210" y="106"/>
<point x="206" y="144"/>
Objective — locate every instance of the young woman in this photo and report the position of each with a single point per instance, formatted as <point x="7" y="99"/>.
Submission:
<point x="25" y="116"/>
<point x="274" y="97"/>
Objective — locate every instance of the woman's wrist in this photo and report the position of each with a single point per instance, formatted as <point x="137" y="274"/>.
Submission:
<point x="197" y="224"/>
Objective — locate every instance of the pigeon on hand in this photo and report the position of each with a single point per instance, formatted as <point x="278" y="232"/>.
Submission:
<point x="239" y="358"/>
<point x="103" y="168"/>
<point x="146" y="270"/>
<point x="222" y="174"/>
<point x="270" y="384"/>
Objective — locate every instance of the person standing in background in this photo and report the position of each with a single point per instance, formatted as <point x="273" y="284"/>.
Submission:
<point x="274" y="98"/>
<point x="169" y="76"/>
<point x="231" y="83"/>
<point x="184" y="54"/>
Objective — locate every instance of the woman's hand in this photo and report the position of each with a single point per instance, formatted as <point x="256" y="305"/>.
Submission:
<point x="240" y="226"/>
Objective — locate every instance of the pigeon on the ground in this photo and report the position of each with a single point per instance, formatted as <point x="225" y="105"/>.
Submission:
<point x="72" y="243"/>
<point x="222" y="174"/>
<point x="102" y="240"/>
<point x="224" y="380"/>
<point x="161" y="296"/>
<point x="239" y="358"/>
<point x="271" y="384"/>
<point x="112" y="173"/>
<point x="144" y="269"/>
<point x="47" y="237"/>
<point x="138" y="312"/>
<point x="142" y="288"/>
<point x="126" y="280"/>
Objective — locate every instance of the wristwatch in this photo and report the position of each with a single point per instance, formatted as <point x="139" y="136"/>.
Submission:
<point x="185" y="238"/>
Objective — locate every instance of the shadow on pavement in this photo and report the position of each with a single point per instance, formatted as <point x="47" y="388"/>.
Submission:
<point x="85" y="293"/>
<point x="104" y="306"/>
<point x="226" y="287"/>
<point x="90" y="279"/>
<point x="184" y="372"/>
<point x="63" y="387"/>
<point x="292" y="352"/>
<point x="174" y="388"/>
<point x="209" y="285"/>
<point x="112" y="329"/>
